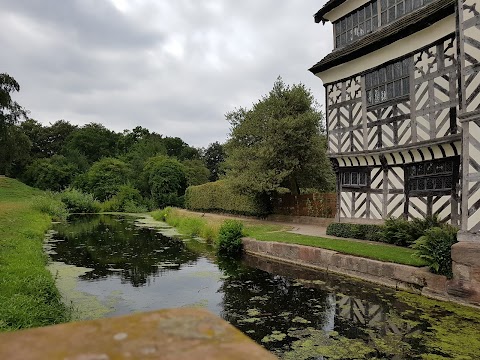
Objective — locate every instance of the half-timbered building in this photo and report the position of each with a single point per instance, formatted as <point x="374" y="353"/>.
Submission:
<point x="403" y="108"/>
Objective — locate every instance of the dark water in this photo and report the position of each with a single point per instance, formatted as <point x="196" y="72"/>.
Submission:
<point x="295" y="313"/>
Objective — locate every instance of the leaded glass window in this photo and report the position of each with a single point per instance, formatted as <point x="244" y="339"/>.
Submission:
<point x="357" y="177"/>
<point x="389" y="82"/>
<point x="358" y="23"/>
<point x="430" y="177"/>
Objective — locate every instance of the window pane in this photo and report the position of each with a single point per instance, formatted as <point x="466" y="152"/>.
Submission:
<point x="398" y="70"/>
<point x="374" y="8"/>
<point x="383" y="93"/>
<point x="438" y="183"/>
<point x="350" y="36"/>
<point x="349" y="22"/>
<point x="374" y="22"/>
<point x="368" y="11"/>
<point x="354" y="178"/>
<point x="384" y="18"/>
<point x="375" y="78"/>
<point x="354" y="19"/>
<point x="344" y="25"/>
<point x="416" y="4"/>
<point x="391" y="14"/>
<point x="400" y="9"/>
<point x="382" y="75"/>
<point x="429" y="184"/>
<point x="408" y="6"/>
<point x="391" y="3"/>
<point x="361" y="29"/>
<point x="361" y="15"/>
<point x="337" y="41"/>
<point x="406" y="86"/>
<point x="363" y="179"/>
<point x="383" y="4"/>
<point x="344" y="38"/>
<point x="368" y="26"/>
<point x="397" y="88"/>
<point x="390" y="90"/>
<point x="390" y="72"/>
<point x="421" y="184"/>
<point x="369" y="97"/>
<point x="448" y="182"/>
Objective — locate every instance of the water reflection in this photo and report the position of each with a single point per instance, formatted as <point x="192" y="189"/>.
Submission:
<point x="114" y="245"/>
<point x="293" y="312"/>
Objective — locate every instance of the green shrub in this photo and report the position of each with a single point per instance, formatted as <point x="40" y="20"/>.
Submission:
<point x="435" y="248"/>
<point x="402" y="232"/>
<point x="50" y="204"/>
<point x="369" y="232"/>
<point x="220" y="197"/>
<point x="230" y="238"/>
<point x="127" y="199"/>
<point x="79" y="202"/>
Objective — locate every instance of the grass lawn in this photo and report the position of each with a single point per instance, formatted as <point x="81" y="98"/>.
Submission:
<point x="382" y="252"/>
<point x="28" y="296"/>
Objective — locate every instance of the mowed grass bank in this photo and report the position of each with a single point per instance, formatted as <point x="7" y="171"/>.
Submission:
<point x="28" y="296"/>
<point x="193" y="224"/>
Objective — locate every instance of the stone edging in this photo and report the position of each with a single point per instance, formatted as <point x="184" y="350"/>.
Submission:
<point x="410" y="278"/>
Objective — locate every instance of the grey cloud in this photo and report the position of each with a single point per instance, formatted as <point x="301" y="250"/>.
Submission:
<point x="175" y="67"/>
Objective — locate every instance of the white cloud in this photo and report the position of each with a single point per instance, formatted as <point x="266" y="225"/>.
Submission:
<point x="175" y="67"/>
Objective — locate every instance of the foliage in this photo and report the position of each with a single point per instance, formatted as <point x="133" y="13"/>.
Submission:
<point x="166" y="181"/>
<point x="10" y="114"/>
<point x="179" y="149"/>
<point x="54" y="173"/>
<point x="51" y="205"/>
<point x="14" y="151"/>
<point x="435" y="248"/>
<point x="94" y="141"/>
<point x="196" y="172"/>
<point x="79" y="202"/>
<point x="230" y="238"/>
<point x="104" y="178"/>
<point x="127" y="199"/>
<point x="220" y="196"/>
<point x="278" y="142"/>
<point x="213" y="158"/>
<point x="402" y="232"/>
<point x="369" y="232"/>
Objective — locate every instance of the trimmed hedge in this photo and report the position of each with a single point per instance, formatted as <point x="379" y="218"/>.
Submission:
<point x="218" y="196"/>
<point x="356" y="231"/>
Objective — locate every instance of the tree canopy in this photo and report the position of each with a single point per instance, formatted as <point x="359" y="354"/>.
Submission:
<point x="279" y="142"/>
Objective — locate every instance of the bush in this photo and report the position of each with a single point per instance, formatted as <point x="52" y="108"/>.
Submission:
<point x="402" y="232"/>
<point x="230" y="238"/>
<point x="220" y="197"/>
<point x="49" y="204"/>
<point x="127" y="199"/>
<point x="435" y="248"/>
<point x="79" y="202"/>
<point x="356" y="231"/>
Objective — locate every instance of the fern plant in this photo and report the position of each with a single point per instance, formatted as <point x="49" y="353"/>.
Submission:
<point x="435" y="248"/>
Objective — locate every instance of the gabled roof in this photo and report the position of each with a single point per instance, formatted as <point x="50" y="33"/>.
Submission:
<point x="407" y="25"/>
<point x="330" y="5"/>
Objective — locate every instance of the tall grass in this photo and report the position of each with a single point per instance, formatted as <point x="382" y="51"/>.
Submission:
<point x="189" y="225"/>
<point x="28" y="295"/>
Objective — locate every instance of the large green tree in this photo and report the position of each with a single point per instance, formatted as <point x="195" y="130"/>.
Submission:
<point x="213" y="158"/>
<point x="279" y="142"/>
<point x="10" y="114"/>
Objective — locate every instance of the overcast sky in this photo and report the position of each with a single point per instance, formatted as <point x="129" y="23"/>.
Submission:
<point x="172" y="66"/>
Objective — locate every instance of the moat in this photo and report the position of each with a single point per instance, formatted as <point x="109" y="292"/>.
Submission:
<point x="112" y="265"/>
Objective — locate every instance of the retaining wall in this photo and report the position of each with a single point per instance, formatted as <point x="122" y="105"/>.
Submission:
<point x="413" y="279"/>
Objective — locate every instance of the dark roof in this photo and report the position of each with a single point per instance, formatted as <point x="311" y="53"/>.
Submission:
<point x="331" y="4"/>
<point x="405" y="26"/>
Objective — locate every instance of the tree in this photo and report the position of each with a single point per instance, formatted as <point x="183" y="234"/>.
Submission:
<point x="167" y="181"/>
<point x="213" y="158"/>
<point x="278" y="143"/>
<point x="196" y="172"/>
<point x="179" y="149"/>
<point x="55" y="173"/>
<point x="94" y="141"/>
<point x="10" y="114"/>
<point x="104" y="178"/>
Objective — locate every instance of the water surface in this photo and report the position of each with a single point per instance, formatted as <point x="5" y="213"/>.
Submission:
<point x="296" y="313"/>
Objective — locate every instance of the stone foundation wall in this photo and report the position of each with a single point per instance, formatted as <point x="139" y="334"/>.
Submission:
<point x="413" y="279"/>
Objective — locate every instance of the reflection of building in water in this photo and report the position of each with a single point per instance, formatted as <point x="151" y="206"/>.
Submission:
<point x="372" y="315"/>
<point x="330" y="312"/>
